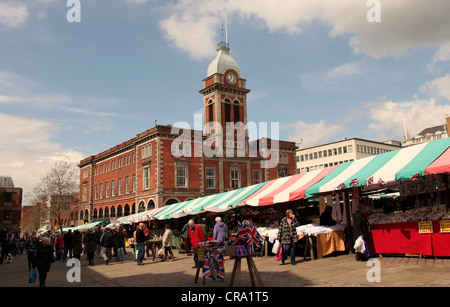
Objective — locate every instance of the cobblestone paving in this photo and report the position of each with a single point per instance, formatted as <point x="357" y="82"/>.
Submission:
<point x="337" y="271"/>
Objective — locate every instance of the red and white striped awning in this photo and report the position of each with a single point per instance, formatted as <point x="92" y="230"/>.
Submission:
<point x="286" y="189"/>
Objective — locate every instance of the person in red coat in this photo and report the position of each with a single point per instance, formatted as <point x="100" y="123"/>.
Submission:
<point x="196" y="236"/>
<point x="59" y="244"/>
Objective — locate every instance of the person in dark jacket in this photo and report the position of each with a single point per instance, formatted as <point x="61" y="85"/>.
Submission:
<point x="220" y="230"/>
<point x="68" y="247"/>
<point x="31" y="248"/>
<point x="187" y="243"/>
<point x="325" y="217"/>
<point x="107" y="242"/>
<point x="90" y="241"/>
<point x="360" y="228"/>
<point x="120" y="245"/>
<point x="140" y="243"/>
<point x="43" y="260"/>
<point x="77" y="245"/>
<point x="287" y="235"/>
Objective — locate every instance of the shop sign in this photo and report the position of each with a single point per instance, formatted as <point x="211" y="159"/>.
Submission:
<point x="445" y="226"/>
<point x="426" y="227"/>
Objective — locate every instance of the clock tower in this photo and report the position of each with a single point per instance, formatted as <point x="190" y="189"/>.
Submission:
<point x="225" y="102"/>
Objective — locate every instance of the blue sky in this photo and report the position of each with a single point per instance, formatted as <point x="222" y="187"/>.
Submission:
<point x="319" y="68"/>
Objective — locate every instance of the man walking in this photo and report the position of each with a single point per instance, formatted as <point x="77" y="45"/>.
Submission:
<point x="107" y="243"/>
<point x="195" y="236"/>
<point x="68" y="238"/>
<point x="140" y="243"/>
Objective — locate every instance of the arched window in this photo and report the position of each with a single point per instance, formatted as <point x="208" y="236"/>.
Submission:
<point x="227" y="110"/>
<point x="127" y="210"/>
<point x="95" y="213"/>
<point x="106" y="212"/>
<point x="119" y="211"/>
<point x="113" y="211"/>
<point x="171" y="201"/>
<point x="100" y="213"/>
<point x="141" y="206"/>
<point x="133" y="209"/>
<point x="151" y="204"/>
<point x="237" y="116"/>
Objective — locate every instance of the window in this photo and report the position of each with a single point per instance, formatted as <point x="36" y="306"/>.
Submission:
<point x="95" y="192"/>
<point x="107" y="189"/>
<point x="120" y="186"/>
<point x="134" y="182"/>
<point x="324" y="153"/>
<point x="84" y="191"/>
<point x="256" y="177"/>
<point x="127" y="184"/>
<point x="101" y="190"/>
<point x="282" y="172"/>
<point x="344" y="149"/>
<point x="146" y="176"/>
<point x="350" y="148"/>
<point x="113" y="187"/>
<point x="181" y="176"/>
<point x="236" y="112"/>
<point x="227" y="111"/>
<point x="210" y="178"/>
<point x="235" y="179"/>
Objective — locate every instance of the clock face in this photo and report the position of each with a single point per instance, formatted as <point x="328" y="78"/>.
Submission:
<point x="231" y="78"/>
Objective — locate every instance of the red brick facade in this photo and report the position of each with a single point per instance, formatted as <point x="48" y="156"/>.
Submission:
<point x="145" y="172"/>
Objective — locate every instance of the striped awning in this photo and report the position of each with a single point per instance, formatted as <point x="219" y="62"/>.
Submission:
<point x="401" y="164"/>
<point x="287" y="188"/>
<point x="87" y="226"/>
<point x="212" y="203"/>
<point x="440" y="165"/>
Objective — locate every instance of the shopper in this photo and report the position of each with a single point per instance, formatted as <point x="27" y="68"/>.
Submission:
<point x="187" y="243"/>
<point x="167" y="243"/>
<point x="43" y="260"/>
<point x="31" y="248"/>
<point x="59" y="245"/>
<point x="77" y="245"/>
<point x="360" y="228"/>
<point x="68" y="238"/>
<point x="140" y="244"/>
<point x="107" y="243"/>
<point x="195" y="237"/>
<point x="220" y="230"/>
<point x="120" y="245"/>
<point x="287" y="235"/>
<point x="91" y="245"/>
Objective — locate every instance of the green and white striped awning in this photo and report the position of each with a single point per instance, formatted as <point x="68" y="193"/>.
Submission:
<point x="212" y="203"/>
<point x="401" y="164"/>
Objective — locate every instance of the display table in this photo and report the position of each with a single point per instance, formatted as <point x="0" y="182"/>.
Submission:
<point x="404" y="238"/>
<point x="154" y="245"/>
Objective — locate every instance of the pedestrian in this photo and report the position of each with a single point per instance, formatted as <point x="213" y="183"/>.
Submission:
<point x="220" y="230"/>
<point x="31" y="249"/>
<point x="59" y="244"/>
<point x="187" y="243"/>
<point x="120" y="245"/>
<point x="204" y="228"/>
<point x="98" y="234"/>
<point x="140" y="243"/>
<point x="360" y="228"/>
<point x="287" y="235"/>
<point x="13" y="247"/>
<point x="107" y="242"/>
<point x="6" y="249"/>
<point x="167" y="242"/>
<point x="77" y="245"/>
<point x="43" y="260"/>
<point x="68" y="238"/>
<point x="195" y="237"/>
<point x="91" y="245"/>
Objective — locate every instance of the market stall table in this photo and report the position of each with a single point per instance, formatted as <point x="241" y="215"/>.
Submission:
<point x="155" y="245"/>
<point x="404" y="238"/>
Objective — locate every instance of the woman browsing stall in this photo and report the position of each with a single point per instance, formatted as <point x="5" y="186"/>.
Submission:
<point x="287" y="235"/>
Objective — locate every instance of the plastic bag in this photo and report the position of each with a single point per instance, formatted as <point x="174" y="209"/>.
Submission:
<point x="161" y="251"/>
<point x="360" y="245"/>
<point x="9" y="258"/>
<point x="276" y="245"/>
<point x="279" y="255"/>
<point x="32" y="277"/>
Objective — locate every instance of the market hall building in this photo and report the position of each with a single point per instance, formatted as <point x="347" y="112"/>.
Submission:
<point x="161" y="166"/>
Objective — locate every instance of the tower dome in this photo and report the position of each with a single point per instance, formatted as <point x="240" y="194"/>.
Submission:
<point x="223" y="61"/>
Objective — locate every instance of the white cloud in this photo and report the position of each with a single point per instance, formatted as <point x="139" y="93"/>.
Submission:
<point x="386" y="118"/>
<point x="439" y="87"/>
<point x="311" y="134"/>
<point x="135" y="2"/>
<point x="191" y="25"/>
<point x="334" y="78"/>
<point x="442" y="55"/>
<point x="28" y="150"/>
<point x="13" y="14"/>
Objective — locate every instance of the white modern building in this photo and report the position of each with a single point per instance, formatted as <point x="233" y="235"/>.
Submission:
<point x="335" y="153"/>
